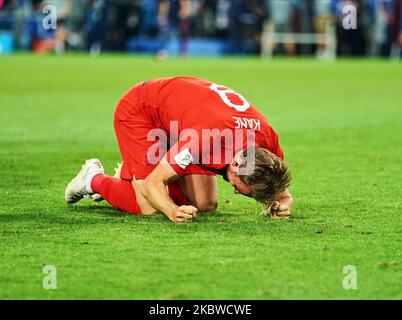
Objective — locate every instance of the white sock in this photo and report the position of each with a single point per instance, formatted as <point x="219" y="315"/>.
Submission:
<point x="88" y="180"/>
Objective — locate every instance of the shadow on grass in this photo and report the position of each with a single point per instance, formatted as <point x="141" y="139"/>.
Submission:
<point x="67" y="216"/>
<point x="109" y="211"/>
<point x="246" y="224"/>
<point x="101" y="210"/>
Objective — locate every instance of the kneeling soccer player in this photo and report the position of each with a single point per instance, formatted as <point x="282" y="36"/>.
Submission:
<point x="174" y="136"/>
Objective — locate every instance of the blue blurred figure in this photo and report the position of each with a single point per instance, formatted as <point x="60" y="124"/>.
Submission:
<point x="95" y="26"/>
<point x="246" y="18"/>
<point x="149" y="18"/>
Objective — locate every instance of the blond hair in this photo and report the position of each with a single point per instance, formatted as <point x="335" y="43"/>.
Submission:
<point x="268" y="175"/>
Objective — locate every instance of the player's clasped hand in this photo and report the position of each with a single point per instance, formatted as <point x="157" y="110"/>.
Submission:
<point x="184" y="214"/>
<point x="279" y="211"/>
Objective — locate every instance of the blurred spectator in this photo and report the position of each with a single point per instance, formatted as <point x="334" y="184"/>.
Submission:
<point x="42" y="40"/>
<point x="174" y="23"/>
<point x="64" y="8"/>
<point x="246" y="19"/>
<point x="222" y="8"/>
<point x="350" y="41"/>
<point x="163" y="24"/>
<point x="75" y="23"/>
<point x="21" y="11"/>
<point x="304" y="22"/>
<point x="95" y="25"/>
<point x="180" y="22"/>
<point x="396" y="19"/>
<point x="6" y="4"/>
<point x="282" y="17"/>
<point x="379" y="27"/>
<point x="322" y="20"/>
<point x="146" y="12"/>
<point x="111" y="25"/>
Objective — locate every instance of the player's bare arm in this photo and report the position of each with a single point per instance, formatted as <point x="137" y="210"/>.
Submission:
<point x="154" y="191"/>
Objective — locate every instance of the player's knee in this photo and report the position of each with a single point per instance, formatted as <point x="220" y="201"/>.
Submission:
<point x="208" y="206"/>
<point x="148" y="211"/>
<point x="136" y="210"/>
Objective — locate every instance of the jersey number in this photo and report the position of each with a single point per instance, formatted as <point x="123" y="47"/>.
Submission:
<point x="223" y="94"/>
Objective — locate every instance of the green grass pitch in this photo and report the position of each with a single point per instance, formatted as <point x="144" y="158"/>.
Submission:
<point x="340" y="125"/>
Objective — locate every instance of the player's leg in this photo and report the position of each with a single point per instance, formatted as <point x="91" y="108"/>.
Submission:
<point x="127" y="195"/>
<point x="80" y="185"/>
<point x="92" y="179"/>
<point x="197" y="187"/>
<point x="131" y="131"/>
<point x="124" y="192"/>
<point x="119" y="193"/>
<point x="201" y="191"/>
<point x="200" y="187"/>
<point x="145" y="207"/>
<point x="175" y="192"/>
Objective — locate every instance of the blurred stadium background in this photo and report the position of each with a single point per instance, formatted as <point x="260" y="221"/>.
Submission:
<point x="203" y="27"/>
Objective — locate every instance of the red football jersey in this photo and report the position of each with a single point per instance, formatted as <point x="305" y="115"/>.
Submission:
<point x="206" y="123"/>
